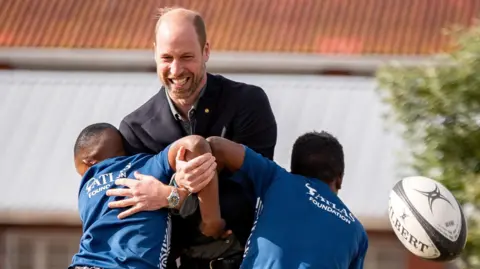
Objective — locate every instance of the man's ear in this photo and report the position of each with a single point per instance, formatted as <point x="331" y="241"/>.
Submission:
<point x="89" y="162"/>
<point x="206" y="52"/>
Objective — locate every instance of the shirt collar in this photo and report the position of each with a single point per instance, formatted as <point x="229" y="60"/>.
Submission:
<point x="174" y="110"/>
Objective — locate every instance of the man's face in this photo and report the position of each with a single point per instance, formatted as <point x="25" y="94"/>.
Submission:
<point x="180" y="59"/>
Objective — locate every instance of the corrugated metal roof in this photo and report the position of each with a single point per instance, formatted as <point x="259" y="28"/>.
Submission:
<point x="298" y="26"/>
<point x="42" y="112"/>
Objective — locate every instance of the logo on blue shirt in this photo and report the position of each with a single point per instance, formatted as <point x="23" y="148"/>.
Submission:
<point x="324" y="204"/>
<point x="103" y="182"/>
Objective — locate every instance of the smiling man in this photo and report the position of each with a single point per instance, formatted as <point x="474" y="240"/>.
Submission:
<point x="192" y="101"/>
<point x="181" y="69"/>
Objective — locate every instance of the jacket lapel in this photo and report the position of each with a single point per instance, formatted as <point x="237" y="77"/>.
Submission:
<point x="207" y="107"/>
<point x="162" y="127"/>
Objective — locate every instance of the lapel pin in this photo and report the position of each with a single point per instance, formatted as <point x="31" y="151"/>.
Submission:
<point x="207" y="110"/>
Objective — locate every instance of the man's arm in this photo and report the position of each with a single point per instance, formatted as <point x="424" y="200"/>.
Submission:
<point x="255" y="125"/>
<point x="196" y="146"/>
<point x="236" y="157"/>
<point x="148" y="193"/>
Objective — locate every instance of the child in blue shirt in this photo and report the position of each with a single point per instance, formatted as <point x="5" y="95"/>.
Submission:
<point x="143" y="239"/>
<point x="300" y="221"/>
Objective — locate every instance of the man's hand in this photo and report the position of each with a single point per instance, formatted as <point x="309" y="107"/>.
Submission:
<point x="215" y="229"/>
<point x="195" y="174"/>
<point x="144" y="194"/>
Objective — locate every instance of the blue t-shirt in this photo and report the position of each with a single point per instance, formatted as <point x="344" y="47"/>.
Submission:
<point x="299" y="223"/>
<point x="138" y="241"/>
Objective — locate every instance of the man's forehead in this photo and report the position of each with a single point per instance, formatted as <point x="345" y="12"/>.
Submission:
<point x="176" y="38"/>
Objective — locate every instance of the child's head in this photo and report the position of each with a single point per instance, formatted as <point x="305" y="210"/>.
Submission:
<point x="319" y="155"/>
<point x="95" y="143"/>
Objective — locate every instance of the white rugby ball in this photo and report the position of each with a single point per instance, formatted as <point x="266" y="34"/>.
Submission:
<point x="427" y="219"/>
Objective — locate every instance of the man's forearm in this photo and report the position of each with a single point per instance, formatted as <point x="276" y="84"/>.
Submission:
<point x="208" y="197"/>
<point x="182" y="193"/>
<point x="208" y="201"/>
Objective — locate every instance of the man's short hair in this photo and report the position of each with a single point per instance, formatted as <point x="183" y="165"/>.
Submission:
<point x="90" y="135"/>
<point x="318" y="155"/>
<point x="198" y="23"/>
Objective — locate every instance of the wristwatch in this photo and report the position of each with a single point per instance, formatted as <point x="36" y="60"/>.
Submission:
<point x="173" y="199"/>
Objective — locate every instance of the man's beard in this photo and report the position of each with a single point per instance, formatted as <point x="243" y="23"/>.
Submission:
<point x="188" y="92"/>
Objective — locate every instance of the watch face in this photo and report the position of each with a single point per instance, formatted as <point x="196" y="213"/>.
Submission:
<point x="173" y="199"/>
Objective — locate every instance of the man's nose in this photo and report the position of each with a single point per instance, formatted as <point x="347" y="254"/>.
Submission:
<point x="176" y="68"/>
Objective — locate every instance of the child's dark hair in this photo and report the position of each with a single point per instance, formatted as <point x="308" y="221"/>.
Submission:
<point x="318" y="155"/>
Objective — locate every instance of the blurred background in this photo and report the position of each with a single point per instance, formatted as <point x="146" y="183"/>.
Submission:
<point x="383" y="76"/>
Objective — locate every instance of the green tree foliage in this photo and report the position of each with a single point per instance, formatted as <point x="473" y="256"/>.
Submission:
<point x="438" y="106"/>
